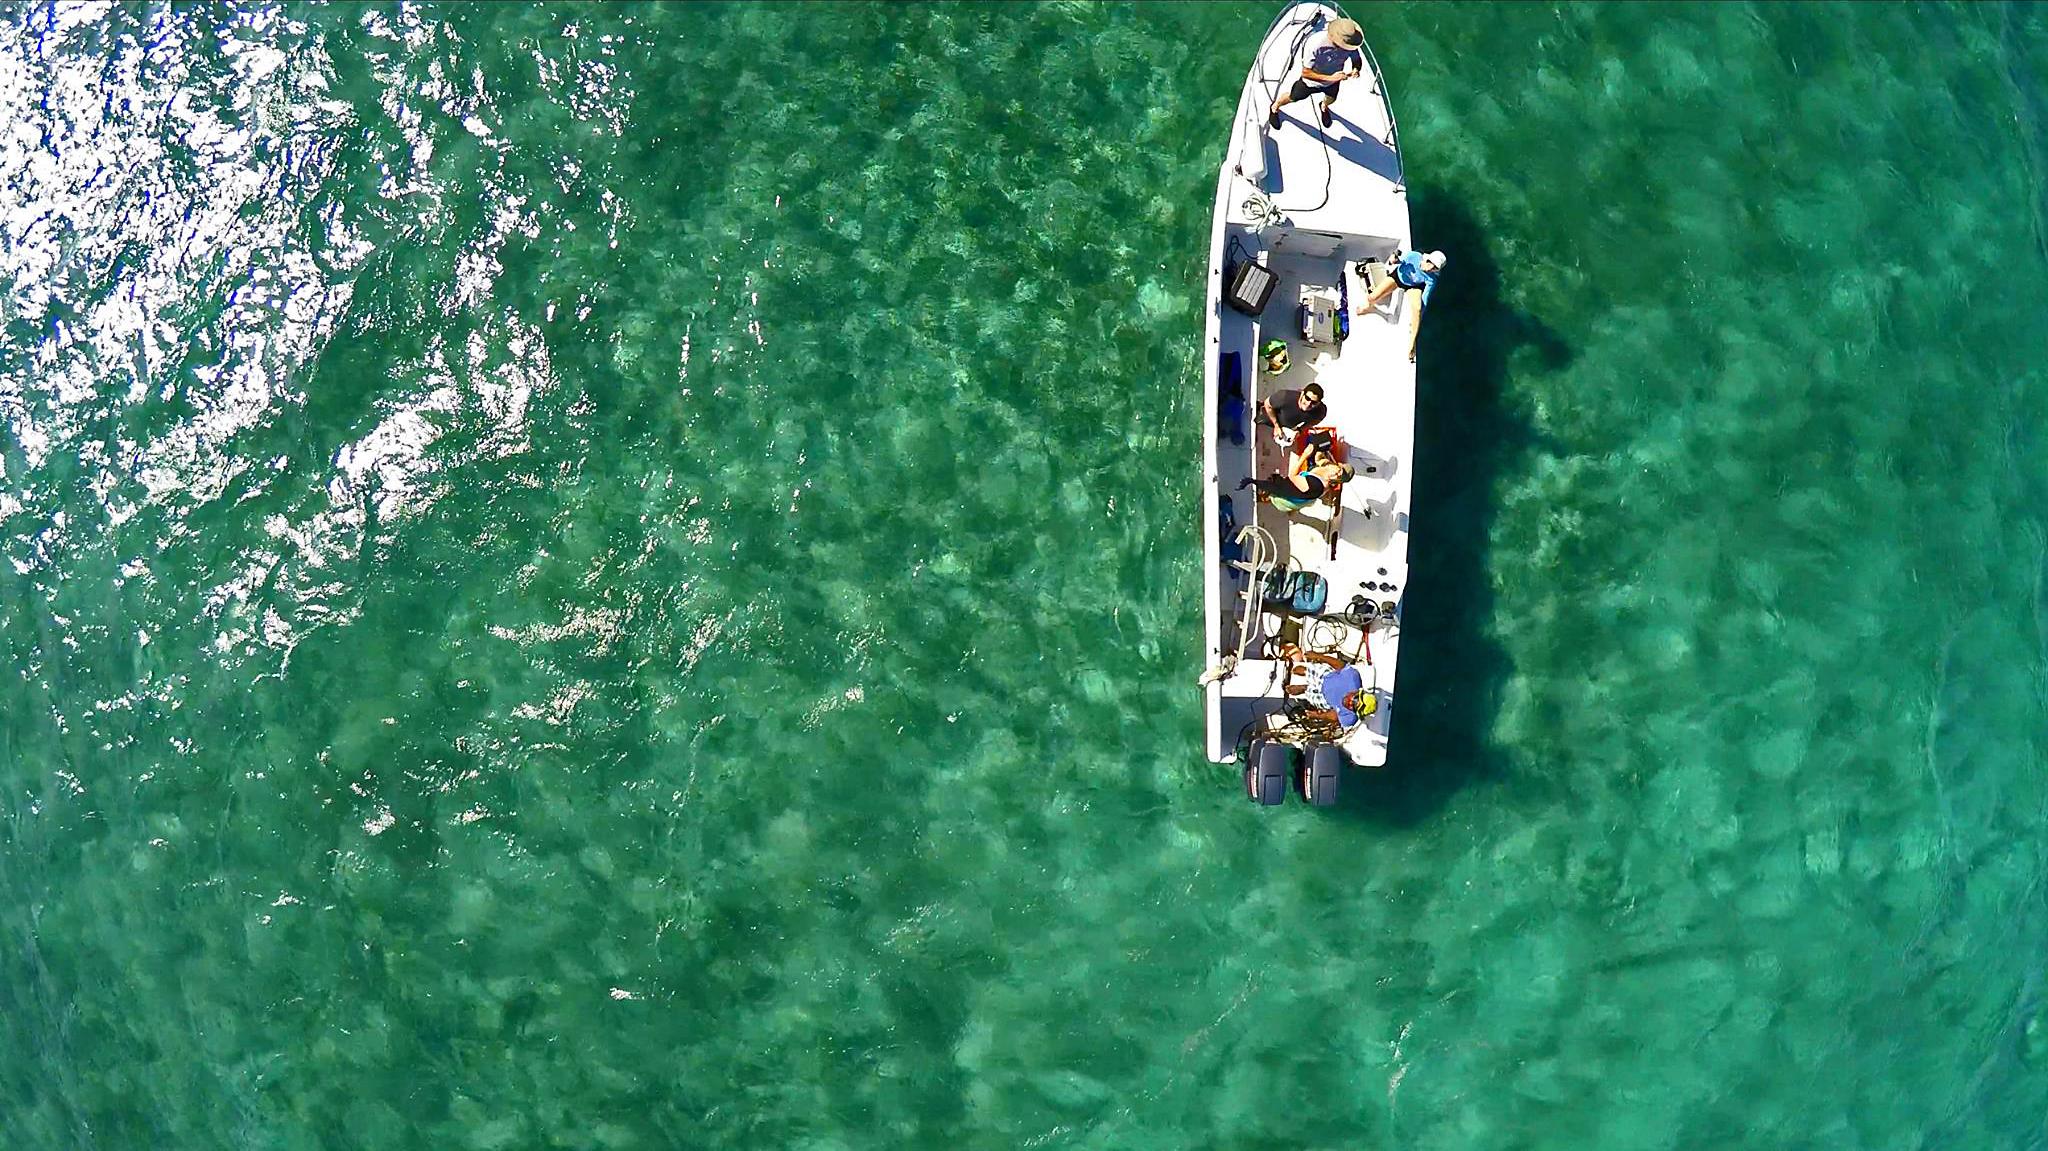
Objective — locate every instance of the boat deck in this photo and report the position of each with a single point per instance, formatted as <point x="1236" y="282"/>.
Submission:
<point x="1368" y="386"/>
<point x="1337" y="179"/>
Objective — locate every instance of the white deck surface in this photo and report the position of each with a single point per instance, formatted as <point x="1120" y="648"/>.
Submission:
<point x="1352" y="157"/>
<point x="1368" y="382"/>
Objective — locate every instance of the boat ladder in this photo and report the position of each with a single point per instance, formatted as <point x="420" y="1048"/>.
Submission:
<point x="1259" y="564"/>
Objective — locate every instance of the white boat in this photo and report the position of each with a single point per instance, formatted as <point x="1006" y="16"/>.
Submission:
<point x="1320" y="210"/>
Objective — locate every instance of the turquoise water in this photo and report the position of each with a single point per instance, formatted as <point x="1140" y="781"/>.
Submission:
<point x="624" y="577"/>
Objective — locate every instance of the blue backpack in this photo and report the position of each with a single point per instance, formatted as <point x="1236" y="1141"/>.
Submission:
<point x="1299" y="592"/>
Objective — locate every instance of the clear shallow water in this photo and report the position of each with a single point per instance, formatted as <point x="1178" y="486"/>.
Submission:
<point x="622" y="578"/>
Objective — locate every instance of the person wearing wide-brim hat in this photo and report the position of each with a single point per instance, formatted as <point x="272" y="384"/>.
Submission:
<point x="1331" y="58"/>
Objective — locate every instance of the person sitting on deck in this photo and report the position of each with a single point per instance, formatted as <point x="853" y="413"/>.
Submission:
<point x="1332" y="58"/>
<point x="1291" y="409"/>
<point x="1309" y="443"/>
<point x="1337" y="686"/>
<point x="1414" y="273"/>
<point x="1295" y="492"/>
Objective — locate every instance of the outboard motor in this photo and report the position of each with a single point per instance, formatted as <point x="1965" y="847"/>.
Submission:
<point x="1266" y="770"/>
<point x="1320" y="771"/>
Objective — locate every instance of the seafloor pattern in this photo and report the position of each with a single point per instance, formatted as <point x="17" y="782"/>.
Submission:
<point x="625" y="577"/>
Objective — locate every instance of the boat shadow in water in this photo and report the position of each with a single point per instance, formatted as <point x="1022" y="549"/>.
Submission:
<point x="1472" y="438"/>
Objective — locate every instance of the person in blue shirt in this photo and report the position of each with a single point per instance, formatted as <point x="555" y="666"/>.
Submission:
<point x="1330" y="59"/>
<point x="1414" y="273"/>
<point x="1334" y="688"/>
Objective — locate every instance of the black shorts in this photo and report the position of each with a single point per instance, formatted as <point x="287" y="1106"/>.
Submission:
<point x="1302" y="90"/>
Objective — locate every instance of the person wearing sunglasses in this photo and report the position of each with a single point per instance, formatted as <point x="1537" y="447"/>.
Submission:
<point x="1291" y="409"/>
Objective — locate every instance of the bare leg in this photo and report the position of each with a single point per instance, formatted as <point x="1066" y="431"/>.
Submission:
<point x="1286" y="98"/>
<point x="1378" y="296"/>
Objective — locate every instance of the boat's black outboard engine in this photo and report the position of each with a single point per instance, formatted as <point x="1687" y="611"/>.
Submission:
<point x="1321" y="769"/>
<point x="1266" y="768"/>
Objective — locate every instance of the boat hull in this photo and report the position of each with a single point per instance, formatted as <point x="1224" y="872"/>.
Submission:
<point x="1318" y="207"/>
